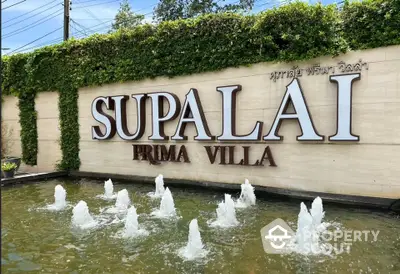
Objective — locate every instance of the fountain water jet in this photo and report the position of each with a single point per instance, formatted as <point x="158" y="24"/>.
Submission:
<point x="159" y="191"/>
<point x="226" y="213"/>
<point x="121" y="204"/>
<point x="109" y="190"/>
<point x="81" y="217"/>
<point x="132" y="224"/>
<point x="317" y="212"/>
<point x="194" y="248"/>
<point x="167" y="206"/>
<point x="123" y="200"/>
<point x="60" y="195"/>
<point x="247" y="197"/>
<point x="310" y="228"/>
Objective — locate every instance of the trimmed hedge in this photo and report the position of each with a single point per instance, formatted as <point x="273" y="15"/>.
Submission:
<point x="372" y="23"/>
<point x="212" y="42"/>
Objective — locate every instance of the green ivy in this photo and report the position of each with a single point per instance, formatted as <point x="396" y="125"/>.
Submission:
<point x="27" y="120"/>
<point x="297" y="31"/>
<point x="69" y="125"/>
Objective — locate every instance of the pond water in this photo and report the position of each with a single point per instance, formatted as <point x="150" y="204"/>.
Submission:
<point x="37" y="240"/>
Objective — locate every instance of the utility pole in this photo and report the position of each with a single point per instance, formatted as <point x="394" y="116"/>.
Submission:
<point x="66" y="20"/>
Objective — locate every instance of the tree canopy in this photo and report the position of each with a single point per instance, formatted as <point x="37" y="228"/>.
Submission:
<point x="181" y="9"/>
<point x="126" y="18"/>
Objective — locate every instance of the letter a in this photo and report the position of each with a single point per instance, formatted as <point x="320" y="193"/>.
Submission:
<point x="295" y="95"/>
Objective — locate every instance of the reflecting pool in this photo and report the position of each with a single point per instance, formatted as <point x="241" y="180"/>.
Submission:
<point x="38" y="240"/>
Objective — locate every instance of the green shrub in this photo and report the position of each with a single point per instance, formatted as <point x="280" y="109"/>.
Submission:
<point x="371" y="23"/>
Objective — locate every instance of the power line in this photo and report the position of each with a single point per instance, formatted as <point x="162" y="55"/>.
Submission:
<point x="14" y="4"/>
<point x="25" y="28"/>
<point x="81" y="26"/>
<point x="113" y="1"/>
<point x="35" y="40"/>
<point x="31" y="16"/>
<point x="88" y="1"/>
<point x="47" y="43"/>
<point x="73" y="26"/>
<point x="19" y="16"/>
<point x="108" y="21"/>
<point x="85" y="19"/>
<point x="89" y="12"/>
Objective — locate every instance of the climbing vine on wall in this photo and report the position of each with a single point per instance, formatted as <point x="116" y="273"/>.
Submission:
<point x="297" y="31"/>
<point x="69" y="125"/>
<point x="27" y="120"/>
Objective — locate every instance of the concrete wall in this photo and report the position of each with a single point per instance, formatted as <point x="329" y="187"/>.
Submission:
<point x="49" y="152"/>
<point x="368" y="167"/>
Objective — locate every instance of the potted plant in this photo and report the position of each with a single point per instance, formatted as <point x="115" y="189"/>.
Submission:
<point x="8" y="169"/>
<point x="6" y="144"/>
<point x="14" y="160"/>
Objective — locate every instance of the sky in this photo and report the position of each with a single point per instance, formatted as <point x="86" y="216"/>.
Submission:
<point x="35" y="23"/>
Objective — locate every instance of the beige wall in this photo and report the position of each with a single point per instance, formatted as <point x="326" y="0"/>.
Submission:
<point x="369" y="167"/>
<point x="10" y="118"/>
<point x="49" y="152"/>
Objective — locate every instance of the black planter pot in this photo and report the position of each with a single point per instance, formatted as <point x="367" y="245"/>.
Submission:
<point x="8" y="174"/>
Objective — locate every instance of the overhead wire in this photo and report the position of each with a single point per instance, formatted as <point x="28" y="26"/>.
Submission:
<point x="19" y="16"/>
<point x="13" y="5"/>
<point x="89" y="12"/>
<point x="36" y="23"/>
<point x="47" y="34"/>
<point x="113" y="1"/>
<point x="81" y="26"/>
<point x="73" y="26"/>
<point x="47" y="43"/>
<point x="109" y="21"/>
<point x="31" y="16"/>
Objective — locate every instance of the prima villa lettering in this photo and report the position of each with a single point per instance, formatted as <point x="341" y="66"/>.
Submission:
<point x="191" y="112"/>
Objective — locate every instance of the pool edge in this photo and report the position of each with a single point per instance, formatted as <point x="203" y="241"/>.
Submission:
<point x="343" y="199"/>
<point x="31" y="177"/>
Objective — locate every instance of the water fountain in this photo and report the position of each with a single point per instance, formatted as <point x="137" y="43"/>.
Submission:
<point x="121" y="204"/>
<point x="247" y="197"/>
<point x="132" y="224"/>
<point x="109" y="190"/>
<point x="194" y="248"/>
<point x="309" y="229"/>
<point x="159" y="191"/>
<point x="226" y="213"/>
<point x="167" y="206"/>
<point x="60" y="195"/>
<point x="317" y="212"/>
<point x="123" y="200"/>
<point x="81" y="217"/>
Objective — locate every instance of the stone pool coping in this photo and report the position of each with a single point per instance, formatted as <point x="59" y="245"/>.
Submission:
<point x="262" y="191"/>
<point x="30" y="177"/>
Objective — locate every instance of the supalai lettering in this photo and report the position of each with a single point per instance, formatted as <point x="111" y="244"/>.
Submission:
<point x="190" y="111"/>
